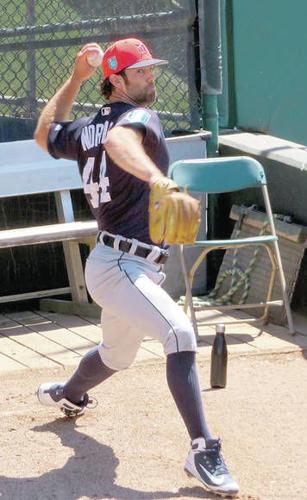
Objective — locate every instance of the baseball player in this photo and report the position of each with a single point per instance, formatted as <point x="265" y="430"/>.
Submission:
<point x="123" y="161"/>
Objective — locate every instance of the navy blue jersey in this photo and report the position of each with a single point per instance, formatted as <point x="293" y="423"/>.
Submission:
<point x="118" y="200"/>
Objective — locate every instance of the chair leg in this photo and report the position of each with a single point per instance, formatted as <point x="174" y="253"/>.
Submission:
<point x="274" y="265"/>
<point x="278" y="259"/>
<point x="284" y="290"/>
<point x="188" y="292"/>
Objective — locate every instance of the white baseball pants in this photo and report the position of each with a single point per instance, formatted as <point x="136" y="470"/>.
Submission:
<point x="134" y="305"/>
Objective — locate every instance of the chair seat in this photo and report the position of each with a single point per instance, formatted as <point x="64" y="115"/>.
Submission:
<point x="240" y="242"/>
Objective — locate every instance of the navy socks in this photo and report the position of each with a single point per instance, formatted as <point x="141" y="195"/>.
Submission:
<point x="182" y="380"/>
<point x="90" y="372"/>
<point x="183" y="383"/>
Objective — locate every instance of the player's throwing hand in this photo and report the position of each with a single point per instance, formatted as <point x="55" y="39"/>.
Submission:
<point x="84" y="68"/>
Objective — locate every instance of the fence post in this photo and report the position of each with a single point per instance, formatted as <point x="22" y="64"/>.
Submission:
<point x="31" y="62"/>
<point x="210" y="66"/>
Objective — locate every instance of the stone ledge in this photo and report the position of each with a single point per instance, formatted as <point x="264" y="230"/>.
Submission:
<point x="268" y="146"/>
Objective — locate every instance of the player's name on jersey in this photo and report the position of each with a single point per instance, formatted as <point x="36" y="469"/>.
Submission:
<point x="92" y="135"/>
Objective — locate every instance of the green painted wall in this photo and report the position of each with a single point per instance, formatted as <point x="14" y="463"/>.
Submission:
<point x="266" y="67"/>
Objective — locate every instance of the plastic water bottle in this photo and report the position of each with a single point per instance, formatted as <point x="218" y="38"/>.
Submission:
<point x="218" y="375"/>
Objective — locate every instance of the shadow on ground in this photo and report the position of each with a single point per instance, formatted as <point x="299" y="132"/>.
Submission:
<point x="89" y="473"/>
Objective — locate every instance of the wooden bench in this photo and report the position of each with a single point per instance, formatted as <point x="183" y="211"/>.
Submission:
<point x="26" y="170"/>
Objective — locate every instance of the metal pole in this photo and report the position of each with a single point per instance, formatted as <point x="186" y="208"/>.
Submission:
<point x="193" y="94"/>
<point x="210" y="118"/>
<point x="31" y="64"/>
<point x="210" y="67"/>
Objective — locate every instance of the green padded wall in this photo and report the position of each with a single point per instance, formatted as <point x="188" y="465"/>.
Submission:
<point x="269" y="81"/>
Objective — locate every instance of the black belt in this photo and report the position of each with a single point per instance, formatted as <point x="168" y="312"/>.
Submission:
<point x="125" y="246"/>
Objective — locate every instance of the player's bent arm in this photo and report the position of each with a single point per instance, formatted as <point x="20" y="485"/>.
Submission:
<point x="124" y="146"/>
<point x="57" y="110"/>
<point x="59" y="106"/>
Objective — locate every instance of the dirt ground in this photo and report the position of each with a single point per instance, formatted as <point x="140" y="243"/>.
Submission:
<point x="133" y="445"/>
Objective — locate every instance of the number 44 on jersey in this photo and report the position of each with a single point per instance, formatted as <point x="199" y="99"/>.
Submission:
<point x="98" y="191"/>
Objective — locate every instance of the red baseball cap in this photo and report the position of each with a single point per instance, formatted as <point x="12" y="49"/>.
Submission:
<point x="127" y="53"/>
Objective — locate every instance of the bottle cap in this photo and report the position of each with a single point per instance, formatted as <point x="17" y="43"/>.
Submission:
<point x="220" y="328"/>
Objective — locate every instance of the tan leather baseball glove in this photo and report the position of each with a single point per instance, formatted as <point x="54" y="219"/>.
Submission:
<point x="174" y="217"/>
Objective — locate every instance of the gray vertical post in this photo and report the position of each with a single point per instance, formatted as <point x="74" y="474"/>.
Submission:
<point x="31" y="64"/>
<point x="210" y="66"/>
<point x="193" y="95"/>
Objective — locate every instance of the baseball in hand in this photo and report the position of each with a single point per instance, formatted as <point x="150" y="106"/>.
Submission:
<point x="94" y="58"/>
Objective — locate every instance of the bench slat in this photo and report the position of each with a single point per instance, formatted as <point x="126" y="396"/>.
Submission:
<point x="37" y="178"/>
<point x="38" y="294"/>
<point x="48" y="234"/>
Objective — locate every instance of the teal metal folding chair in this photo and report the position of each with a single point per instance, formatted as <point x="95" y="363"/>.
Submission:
<point x="224" y="175"/>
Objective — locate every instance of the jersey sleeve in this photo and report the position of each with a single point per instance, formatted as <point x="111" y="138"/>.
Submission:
<point x="145" y="120"/>
<point x="64" y="139"/>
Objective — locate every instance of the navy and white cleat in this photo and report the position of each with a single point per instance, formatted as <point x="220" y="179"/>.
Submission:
<point x="206" y="463"/>
<point x="52" y="394"/>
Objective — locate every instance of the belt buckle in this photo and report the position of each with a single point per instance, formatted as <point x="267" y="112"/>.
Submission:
<point x="164" y="254"/>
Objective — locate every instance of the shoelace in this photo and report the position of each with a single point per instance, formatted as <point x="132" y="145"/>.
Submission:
<point x="92" y="402"/>
<point x="89" y="402"/>
<point x="214" y="454"/>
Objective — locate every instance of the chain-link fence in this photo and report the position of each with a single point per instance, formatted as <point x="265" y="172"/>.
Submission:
<point x="39" y="41"/>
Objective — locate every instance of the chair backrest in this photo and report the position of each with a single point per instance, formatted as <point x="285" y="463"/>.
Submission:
<point x="218" y="175"/>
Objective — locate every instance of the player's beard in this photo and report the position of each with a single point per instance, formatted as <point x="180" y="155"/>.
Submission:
<point x="146" y="97"/>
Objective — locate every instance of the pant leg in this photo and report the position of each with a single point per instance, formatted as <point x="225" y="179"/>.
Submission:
<point x="134" y="306"/>
<point x="120" y="342"/>
<point x="128" y="289"/>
